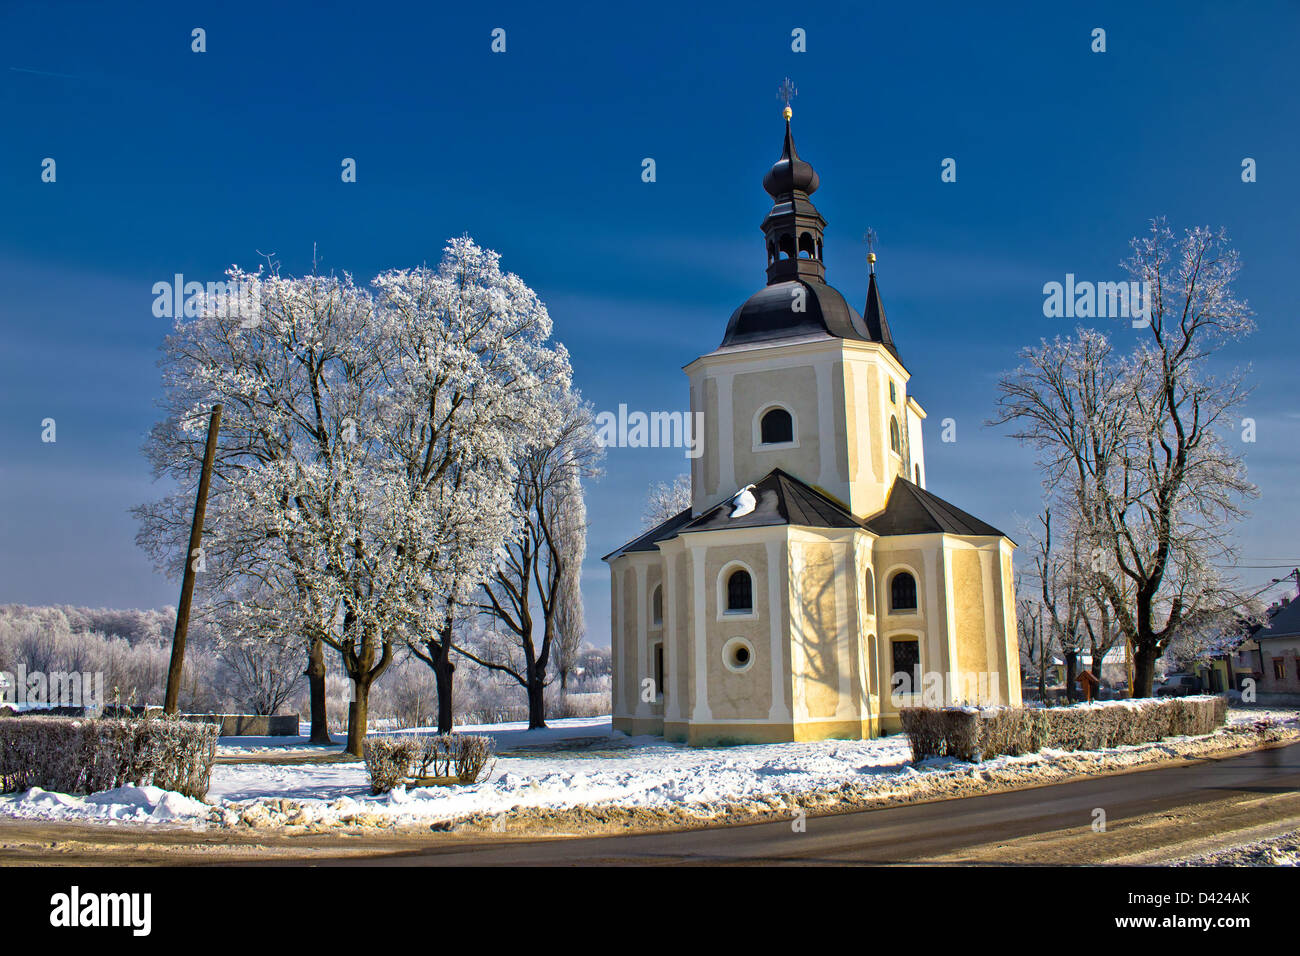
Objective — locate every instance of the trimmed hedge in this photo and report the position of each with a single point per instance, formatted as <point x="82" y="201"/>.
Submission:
<point x="392" y="760"/>
<point x="70" y="755"/>
<point x="967" y="733"/>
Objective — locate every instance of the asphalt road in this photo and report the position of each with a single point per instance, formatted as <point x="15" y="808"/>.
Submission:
<point x="1150" y="815"/>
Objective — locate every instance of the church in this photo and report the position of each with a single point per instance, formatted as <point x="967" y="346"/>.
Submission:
<point x="814" y="586"/>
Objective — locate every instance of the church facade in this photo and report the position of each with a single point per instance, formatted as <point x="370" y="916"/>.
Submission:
<point x="813" y="587"/>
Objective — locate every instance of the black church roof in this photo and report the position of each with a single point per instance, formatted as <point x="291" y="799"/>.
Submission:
<point x="873" y="317"/>
<point x="913" y="510"/>
<point x="649" y="541"/>
<point x="782" y="499"/>
<point x="767" y="315"/>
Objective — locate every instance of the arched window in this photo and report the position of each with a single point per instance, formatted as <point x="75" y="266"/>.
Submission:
<point x="771" y="252"/>
<point x="777" y="427"/>
<point x="869" y="589"/>
<point x="895" y="440"/>
<point x="893" y="395"/>
<point x="807" y="248"/>
<point x="905" y="675"/>
<point x="786" y="246"/>
<point x="740" y="591"/>
<point x="657" y="605"/>
<point x="902" y="592"/>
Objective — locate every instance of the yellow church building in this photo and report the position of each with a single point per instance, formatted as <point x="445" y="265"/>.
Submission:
<point x="813" y="587"/>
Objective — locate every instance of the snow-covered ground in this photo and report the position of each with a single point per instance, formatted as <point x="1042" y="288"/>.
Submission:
<point x="1248" y="716"/>
<point x="579" y="762"/>
<point x="508" y="736"/>
<point x="1279" y="851"/>
<point x="642" y="772"/>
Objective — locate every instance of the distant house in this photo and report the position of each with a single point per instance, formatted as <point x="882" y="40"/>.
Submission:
<point x="1277" y="651"/>
<point x="1218" y="664"/>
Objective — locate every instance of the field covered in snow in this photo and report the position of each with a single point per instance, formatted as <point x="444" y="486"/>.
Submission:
<point x="579" y="762"/>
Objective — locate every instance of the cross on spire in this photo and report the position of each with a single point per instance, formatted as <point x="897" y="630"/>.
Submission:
<point x="786" y="92"/>
<point x="870" y="236"/>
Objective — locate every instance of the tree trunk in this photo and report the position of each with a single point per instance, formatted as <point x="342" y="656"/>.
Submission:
<point x="443" y="672"/>
<point x="357" y="714"/>
<point x="320" y="731"/>
<point x="1042" y="669"/>
<point x="536" y="687"/>
<point x="1144" y="669"/>
<point x="536" y="703"/>
<point x="1071" y="663"/>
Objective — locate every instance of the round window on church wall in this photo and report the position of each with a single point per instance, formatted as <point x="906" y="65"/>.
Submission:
<point x="738" y="654"/>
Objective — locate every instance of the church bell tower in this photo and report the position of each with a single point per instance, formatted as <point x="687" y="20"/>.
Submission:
<point x="802" y="381"/>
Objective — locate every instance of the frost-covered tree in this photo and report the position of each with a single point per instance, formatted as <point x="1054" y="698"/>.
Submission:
<point x="480" y="373"/>
<point x="664" y="500"/>
<point x="539" y="568"/>
<point x="367" y="453"/>
<point x="1133" y="446"/>
<point x="293" y="360"/>
<point x="262" y="676"/>
<point x="570" y="615"/>
<point x="1036" y="648"/>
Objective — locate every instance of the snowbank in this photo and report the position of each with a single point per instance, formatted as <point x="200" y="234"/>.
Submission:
<point x="121" y="805"/>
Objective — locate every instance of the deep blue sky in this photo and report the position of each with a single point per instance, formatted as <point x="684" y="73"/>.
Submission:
<point x="171" y="161"/>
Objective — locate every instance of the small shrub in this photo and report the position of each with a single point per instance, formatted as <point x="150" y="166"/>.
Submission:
<point x="392" y="760"/>
<point x="388" y="761"/>
<point x="924" y="729"/>
<point x="473" y="757"/>
<point x="68" y="755"/>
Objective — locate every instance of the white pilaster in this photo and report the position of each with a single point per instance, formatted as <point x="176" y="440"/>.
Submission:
<point x="701" y="714"/>
<point x="950" y="664"/>
<point x="799" y="702"/>
<point x="991" y="655"/>
<point x="843" y="640"/>
<point x="642" y="653"/>
<point x="672" y="696"/>
<point x="826" y="443"/>
<point x="780" y="709"/>
<point x="726" y="436"/>
<point x="620" y="639"/>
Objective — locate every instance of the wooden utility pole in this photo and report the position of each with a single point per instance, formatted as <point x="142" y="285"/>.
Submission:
<point x="187" y="579"/>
